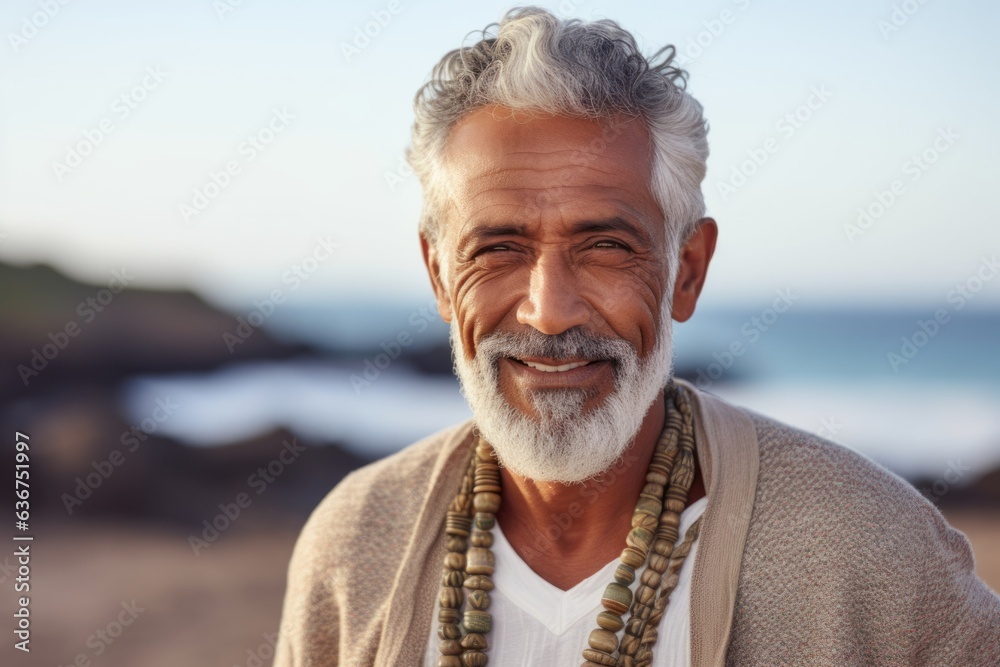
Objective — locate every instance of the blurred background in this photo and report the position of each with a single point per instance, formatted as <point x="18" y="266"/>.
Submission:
<point x="212" y="304"/>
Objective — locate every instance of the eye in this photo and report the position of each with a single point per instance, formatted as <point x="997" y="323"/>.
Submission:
<point x="611" y="243"/>
<point x="493" y="248"/>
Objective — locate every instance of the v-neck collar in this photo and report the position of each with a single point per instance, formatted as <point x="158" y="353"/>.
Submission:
<point x="556" y="609"/>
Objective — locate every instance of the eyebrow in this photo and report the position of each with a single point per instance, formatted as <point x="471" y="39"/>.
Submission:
<point x="613" y="224"/>
<point x="484" y="230"/>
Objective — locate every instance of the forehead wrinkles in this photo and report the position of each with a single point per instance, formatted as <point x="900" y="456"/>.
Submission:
<point x="499" y="162"/>
<point x="510" y="190"/>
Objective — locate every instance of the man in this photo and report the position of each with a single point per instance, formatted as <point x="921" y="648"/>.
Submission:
<point x="596" y="510"/>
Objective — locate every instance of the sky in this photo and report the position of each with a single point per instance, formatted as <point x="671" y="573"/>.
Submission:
<point x="224" y="145"/>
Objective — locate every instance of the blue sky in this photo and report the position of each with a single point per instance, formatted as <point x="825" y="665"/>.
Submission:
<point x="896" y="118"/>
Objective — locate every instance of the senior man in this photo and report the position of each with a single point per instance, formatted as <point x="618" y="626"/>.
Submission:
<point x="596" y="510"/>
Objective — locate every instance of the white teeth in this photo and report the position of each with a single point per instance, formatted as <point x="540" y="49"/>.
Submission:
<point x="556" y="369"/>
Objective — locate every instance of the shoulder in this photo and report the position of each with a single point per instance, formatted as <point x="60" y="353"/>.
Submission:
<point x="795" y="460"/>
<point x="841" y="550"/>
<point x="378" y="497"/>
<point x="812" y="484"/>
<point x="361" y="527"/>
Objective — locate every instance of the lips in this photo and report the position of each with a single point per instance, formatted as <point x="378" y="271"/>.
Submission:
<point x="554" y="367"/>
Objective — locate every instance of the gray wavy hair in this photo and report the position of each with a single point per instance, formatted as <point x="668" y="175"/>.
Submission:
<point x="536" y="61"/>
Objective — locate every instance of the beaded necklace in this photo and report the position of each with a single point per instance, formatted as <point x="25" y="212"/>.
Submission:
<point x="469" y="562"/>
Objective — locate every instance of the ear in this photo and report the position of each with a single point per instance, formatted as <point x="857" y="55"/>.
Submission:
<point x="432" y="260"/>
<point x="694" y="259"/>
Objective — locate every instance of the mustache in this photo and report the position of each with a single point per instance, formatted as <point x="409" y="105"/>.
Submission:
<point x="572" y="343"/>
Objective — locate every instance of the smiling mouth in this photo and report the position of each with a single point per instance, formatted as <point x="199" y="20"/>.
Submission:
<point x="554" y="367"/>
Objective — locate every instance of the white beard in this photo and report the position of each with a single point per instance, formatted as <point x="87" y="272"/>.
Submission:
<point x="563" y="444"/>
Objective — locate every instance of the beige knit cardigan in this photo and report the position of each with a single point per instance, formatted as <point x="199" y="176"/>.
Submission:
<point x="809" y="554"/>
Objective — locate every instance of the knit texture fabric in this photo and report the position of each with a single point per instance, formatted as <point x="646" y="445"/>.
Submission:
<point x="847" y="564"/>
<point x="834" y="560"/>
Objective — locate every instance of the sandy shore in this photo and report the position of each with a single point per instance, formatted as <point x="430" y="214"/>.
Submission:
<point x="215" y="609"/>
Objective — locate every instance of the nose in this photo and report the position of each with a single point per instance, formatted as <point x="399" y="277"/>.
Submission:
<point x="554" y="303"/>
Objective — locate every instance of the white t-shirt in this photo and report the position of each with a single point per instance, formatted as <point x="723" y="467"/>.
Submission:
<point x="535" y="624"/>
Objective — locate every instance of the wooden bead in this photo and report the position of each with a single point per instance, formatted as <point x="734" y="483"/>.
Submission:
<point x="449" y="661"/>
<point x="675" y="505"/>
<point x="486" y="502"/>
<point x="453" y="578"/>
<point x="479" y="561"/>
<point x="653" y="490"/>
<point x="450" y="647"/>
<point x="485" y="521"/>
<point x="640" y="538"/>
<point x="664" y="544"/>
<point x="479" y="600"/>
<point x="595" y="657"/>
<point x="474" y="641"/>
<point x="634" y="627"/>
<point x="610" y="621"/>
<point x="449" y="631"/>
<point x="447" y="615"/>
<point x="481" y="539"/>
<point x="633" y="557"/>
<point x="616" y="598"/>
<point x="650" y="506"/>
<point x="479" y="581"/>
<point x="603" y="640"/>
<point x="458" y="524"/>
<point x="658" y="562"/>
<point x="455" y="560"/>
<point x="656" y="477"/>
<point x="486" y="488"/>
<point x="629" y="644"/>
<point x="450" y="596"/>
<point x="458" y="544"/>
<point x="625" y="574"/>
<point x="640" y="520"/>
<point x="645" y="595"/>
<point x="651" y="578"/>
<point x="477" y="621"/>
<point x="474" y="659"/>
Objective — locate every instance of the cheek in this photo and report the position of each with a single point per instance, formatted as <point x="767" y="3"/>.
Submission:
<point x="482" y="304"/>
<point x="630" y="304"/>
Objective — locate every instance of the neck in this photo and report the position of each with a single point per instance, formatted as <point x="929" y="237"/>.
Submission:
<point x="567" y="532"/>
